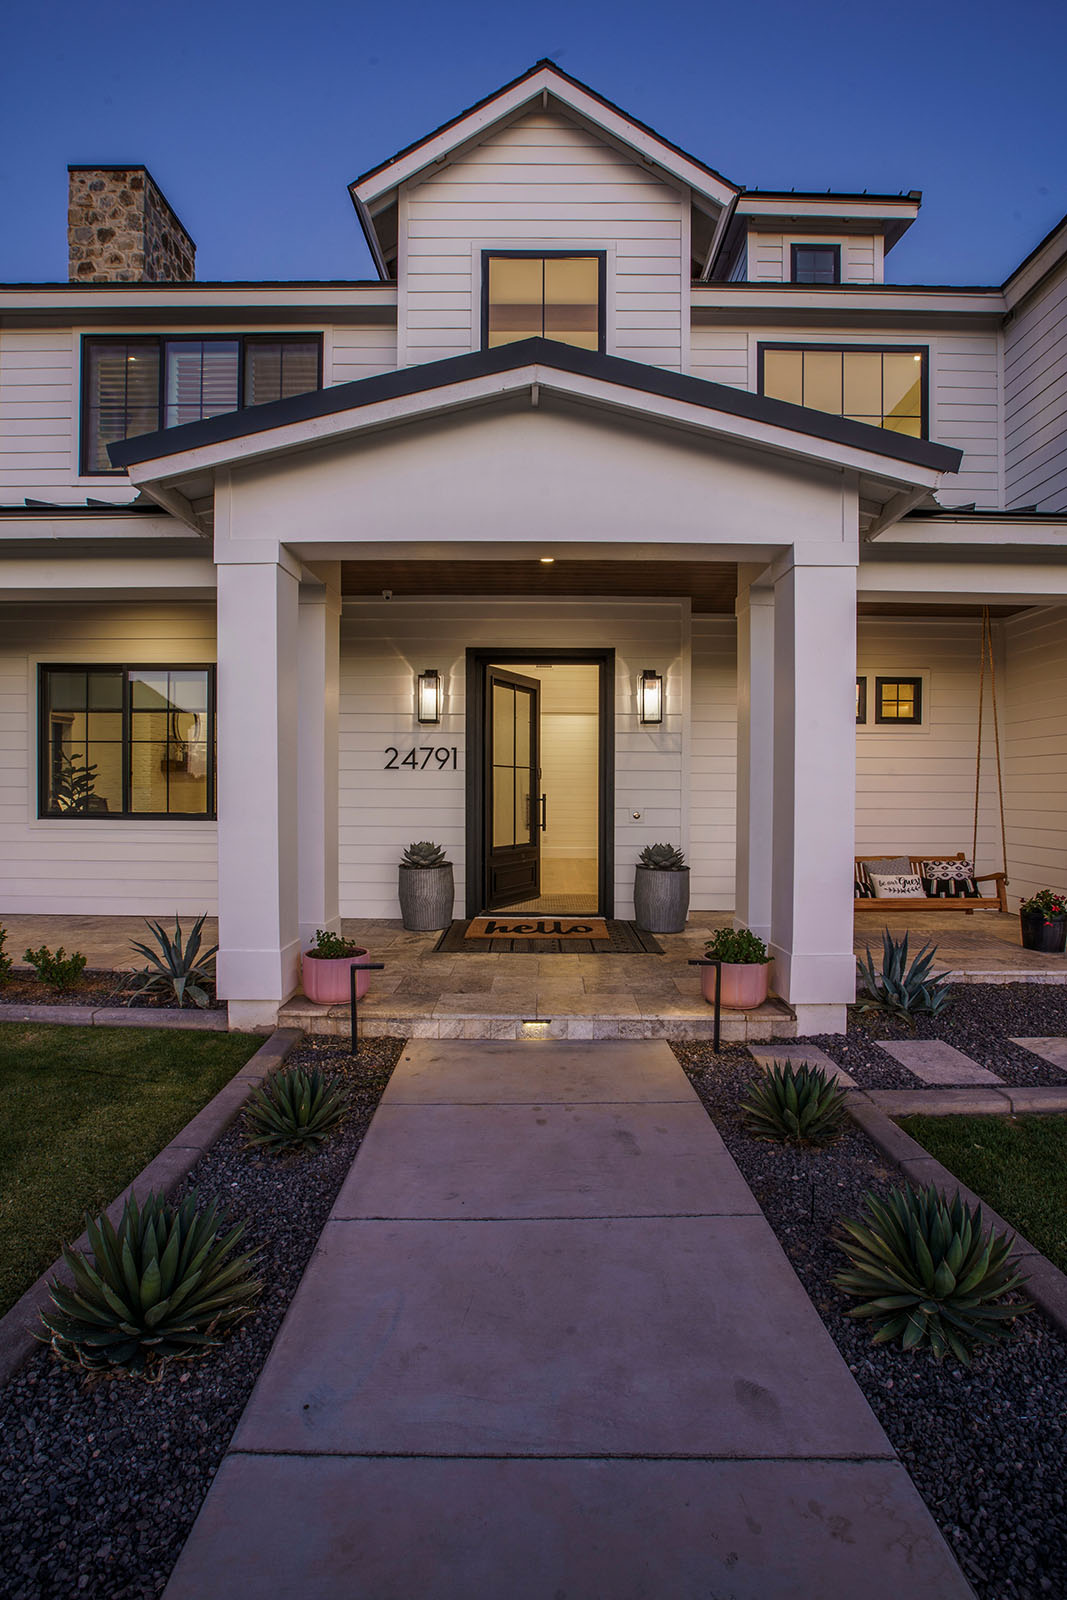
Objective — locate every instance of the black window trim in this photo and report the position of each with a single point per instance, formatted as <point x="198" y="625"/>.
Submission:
<point x="601" y="257"/>
<point x="125" y="815"/>
<point x="915" y="679"/>
<point x="160" y="341"/>
<point x="921" y="350"/>
<point x="861" y="700"/>
<point x="806" y="244"/>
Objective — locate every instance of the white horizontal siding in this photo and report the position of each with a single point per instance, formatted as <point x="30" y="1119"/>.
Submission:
<point x="107" y="866"/>
<point x="1036" y="751"/>
<point x="915" y="786"/>
<point x="721" y="355"/>
<point x="1035" y="400"/>
<point x="543" y="183"/>
<point x="713" y="764"/>
<point x="770" y="255"/>
<point x="353" y="353"/>
<point x="384" y="645"/>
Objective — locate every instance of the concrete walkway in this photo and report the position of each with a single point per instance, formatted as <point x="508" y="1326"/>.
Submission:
<point x="549" y="1347"/>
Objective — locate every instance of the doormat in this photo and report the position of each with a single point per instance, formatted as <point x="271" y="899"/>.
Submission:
<point x="617" y="938"/>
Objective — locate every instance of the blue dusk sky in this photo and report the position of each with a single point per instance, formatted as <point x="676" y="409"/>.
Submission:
<point x="254" y="117"/>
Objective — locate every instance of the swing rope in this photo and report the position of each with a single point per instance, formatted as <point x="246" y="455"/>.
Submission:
<point x="987" y="653"/>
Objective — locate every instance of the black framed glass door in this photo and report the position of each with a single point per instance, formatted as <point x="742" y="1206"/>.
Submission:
<point x="512" y="777"/>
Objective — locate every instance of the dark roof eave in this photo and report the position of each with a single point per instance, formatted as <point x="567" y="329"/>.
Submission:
<point x="565" y="358"/>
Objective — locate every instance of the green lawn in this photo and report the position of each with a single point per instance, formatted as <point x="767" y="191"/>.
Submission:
<point x="84" y="1110"/>
<point x="1017" y="1165"/>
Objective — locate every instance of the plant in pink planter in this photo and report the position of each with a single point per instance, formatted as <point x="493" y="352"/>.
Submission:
<point x="746" y="968"/>
<point x="325" y="969"/>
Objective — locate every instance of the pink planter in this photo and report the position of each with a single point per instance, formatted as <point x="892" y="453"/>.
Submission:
<point x="327" y="983"/>
<point x="744" y="984"/>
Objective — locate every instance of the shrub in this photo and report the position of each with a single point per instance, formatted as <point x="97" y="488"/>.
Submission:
<point x="162" y="1286"/>
<point x="1047" y="903"/>
<point x="178" y="968"/>
<point x="901" y="990"/>
<point x="928" y="1272"/>
<point x="6" y="962"/>
<point x="294" y="1110"/>
<point x="663" y="858"/>
<point x="332" y="947"/>
<point x="799" y="1105"/>
<point x="58" y="970"/>
<point x="737" y="945"/>
<point x="424" y="854"/>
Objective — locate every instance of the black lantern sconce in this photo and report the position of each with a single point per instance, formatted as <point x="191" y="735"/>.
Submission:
<point x="428" y="703"/>
<point x="650" y="696"/>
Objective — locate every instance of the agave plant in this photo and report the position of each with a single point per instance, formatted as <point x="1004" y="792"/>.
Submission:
<point x="163" y="1285"/>
<point x="928" y="1271"/>
<point x="424" y="854"/>
<point x="799" y="1105"/>
<point x="901" y="990"/>
<point x="663" y="858"/>
<point x="179" y="968"/>
<point x="294" y="1110"/>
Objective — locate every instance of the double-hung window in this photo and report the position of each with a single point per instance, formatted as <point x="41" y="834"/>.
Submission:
<point x="137" y="385"/>
<point x="883" y="386"/>
<point x="544" y="296"/>
<point x="127" y="741"/>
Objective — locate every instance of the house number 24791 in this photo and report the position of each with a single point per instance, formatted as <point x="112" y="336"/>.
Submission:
<point x="444" y="755"/>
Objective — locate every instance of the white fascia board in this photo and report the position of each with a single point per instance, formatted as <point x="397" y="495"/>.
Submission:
<point x="73" y="529"/>
<point x="78" y="301"/>
<point x="29" y="576"/>
<point x="613" y="123"/>
<point x="972" y="582"/>
<point x="950" y="531"/>
<point x="169" y="470"/>
<point x="1045" y="259"/>
<point x="875" y="298"/>
<point x="829" y="206"/>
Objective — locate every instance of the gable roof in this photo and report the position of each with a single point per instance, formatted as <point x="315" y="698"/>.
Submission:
<point x="634" y="376"/>
<point x="374" y="193"/>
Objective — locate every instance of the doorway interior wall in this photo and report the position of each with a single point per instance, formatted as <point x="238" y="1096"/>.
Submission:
<point x="552" y="849"/>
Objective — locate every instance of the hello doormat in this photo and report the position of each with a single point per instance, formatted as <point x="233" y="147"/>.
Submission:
<point x="527" y="926"/>
<point x="610" y="937"/>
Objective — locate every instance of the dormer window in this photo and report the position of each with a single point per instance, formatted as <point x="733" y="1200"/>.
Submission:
<point x="547" y="295"/>
<point x="815" y="263"/>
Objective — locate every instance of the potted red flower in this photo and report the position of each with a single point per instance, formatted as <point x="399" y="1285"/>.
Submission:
<point x="1044" y="921"/>
<point x="746" y="968"/>
<point x="326" y="966"/>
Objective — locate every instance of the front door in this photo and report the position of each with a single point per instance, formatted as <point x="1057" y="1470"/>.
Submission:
<point x="512" y="775"/>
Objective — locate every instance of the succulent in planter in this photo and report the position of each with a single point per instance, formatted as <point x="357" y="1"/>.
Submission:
<point x="326" y="969"/>
<point x="333" y="947"/>
<point x="738" y="946"/>
<point x="426" y="887"/>
<point x="661" y="889"/>
<point x="745" y="971"/>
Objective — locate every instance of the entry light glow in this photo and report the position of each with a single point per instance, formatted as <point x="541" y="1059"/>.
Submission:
<point x="650" y="696"/>
<point x="548" y="561"/>
<point x="428" y="696"/>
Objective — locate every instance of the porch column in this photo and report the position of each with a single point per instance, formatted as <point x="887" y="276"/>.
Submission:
<point x="257" y="788"/>
<point x="317" y="752"/>
<point x="814" y="792"/>
<point x="755" y="754"/>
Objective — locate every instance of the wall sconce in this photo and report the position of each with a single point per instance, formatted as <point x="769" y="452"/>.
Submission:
<point x="650" y="696"/>
<point x="428" y="702"/>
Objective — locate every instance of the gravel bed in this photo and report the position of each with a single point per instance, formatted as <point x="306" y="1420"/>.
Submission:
<point x="985" y="1445"/>
<point x="979" y="1022"/>
<point x="96" y="987"/>
<point x="101" y="1478"/>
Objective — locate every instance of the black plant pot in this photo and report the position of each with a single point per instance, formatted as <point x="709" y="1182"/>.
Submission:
<point x="1039" y="934"/>
<point x="426" y="897"/>
<point x="661" y="899"/>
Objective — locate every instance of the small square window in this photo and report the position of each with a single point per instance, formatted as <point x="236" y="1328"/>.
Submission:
<point x="861" y="701"/>
<point x="816" y="263"/>
<point x="898" y="701"/>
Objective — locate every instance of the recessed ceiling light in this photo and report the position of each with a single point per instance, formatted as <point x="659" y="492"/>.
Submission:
<point x="547" y="561"/>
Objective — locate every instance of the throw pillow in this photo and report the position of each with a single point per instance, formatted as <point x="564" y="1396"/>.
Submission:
<point x="861" y="886"/>
<point x="949" y="880"/>
<point x="896" y="885"/>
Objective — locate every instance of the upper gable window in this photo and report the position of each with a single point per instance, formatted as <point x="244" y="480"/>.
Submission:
<point x="138" y="385"/>
<point x="543" y="296"/>
<point x="885" y="387"/>
<point x="815" y="263"/>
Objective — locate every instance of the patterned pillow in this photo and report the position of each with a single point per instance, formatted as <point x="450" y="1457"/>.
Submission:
<point x="861" y="884"/>
<point x="951" y="880"/>
<point x="897" y="885"/>
<point x="890" y="864"/>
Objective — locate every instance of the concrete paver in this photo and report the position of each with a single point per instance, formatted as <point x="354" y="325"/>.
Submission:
<point x="562" y="1400"/>
<point x="806" y="1054"/>
<point x="935" y="1062"/>
<point x="1053" y="1050"/>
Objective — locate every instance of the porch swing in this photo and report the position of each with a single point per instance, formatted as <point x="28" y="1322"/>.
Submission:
<point x="950" y="873"/>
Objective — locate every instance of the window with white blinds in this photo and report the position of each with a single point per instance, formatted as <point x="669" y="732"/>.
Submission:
<point x="138" y="385"/>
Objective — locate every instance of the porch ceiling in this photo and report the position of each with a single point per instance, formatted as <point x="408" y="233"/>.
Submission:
<point x="710" y="585"/>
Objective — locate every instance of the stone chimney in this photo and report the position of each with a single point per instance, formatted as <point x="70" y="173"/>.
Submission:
<point x="120" y="229"/>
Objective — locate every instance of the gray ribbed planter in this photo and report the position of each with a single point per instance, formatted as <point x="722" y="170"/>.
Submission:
<point x="427" y="895"/>
<point x="661" y="899"/>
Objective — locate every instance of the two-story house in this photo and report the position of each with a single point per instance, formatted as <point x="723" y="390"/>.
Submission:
<point x="625" y="505"/>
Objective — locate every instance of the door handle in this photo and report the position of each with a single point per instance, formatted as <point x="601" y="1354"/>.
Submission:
<point x="544" y="813"/>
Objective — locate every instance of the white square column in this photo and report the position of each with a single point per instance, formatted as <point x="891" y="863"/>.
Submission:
<point x="814" y="793"/>
<point x="755" y="755"/>
<point x="259" y="945"/>
<point x="317" y="752"/>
